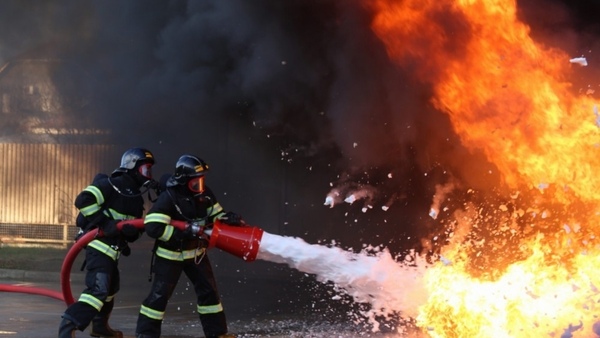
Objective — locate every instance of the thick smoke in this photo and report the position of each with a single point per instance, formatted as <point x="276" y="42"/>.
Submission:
<point x="306" y="80"/>
<point x="308" y="73"/>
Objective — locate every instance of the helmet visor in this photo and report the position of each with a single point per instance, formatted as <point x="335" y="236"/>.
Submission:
<point x="196" y="184"/>
<point x="146" y="170"/>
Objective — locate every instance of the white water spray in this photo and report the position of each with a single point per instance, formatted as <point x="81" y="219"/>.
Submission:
<point x="388" y="286"/>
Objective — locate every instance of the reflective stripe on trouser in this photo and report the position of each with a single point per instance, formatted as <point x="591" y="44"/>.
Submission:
<point x="151" y="313"/>
<point x="94" y="302"/>
<point x="166" y="275"/>
<point x="208" y="309"/>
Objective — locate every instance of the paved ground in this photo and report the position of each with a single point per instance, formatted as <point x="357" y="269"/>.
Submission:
<point x="31" y="315"/>
<point x="261" y="300"/>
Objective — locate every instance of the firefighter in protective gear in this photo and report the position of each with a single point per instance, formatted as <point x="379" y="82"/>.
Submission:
<point x="105" y="202"/>
<point x="186" y="198"/>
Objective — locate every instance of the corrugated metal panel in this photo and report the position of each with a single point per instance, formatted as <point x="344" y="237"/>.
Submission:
<point x="39" y="182"/>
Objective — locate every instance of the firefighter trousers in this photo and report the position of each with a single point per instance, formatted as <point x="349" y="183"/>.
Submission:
<point x="166" y="276"/>
<point x="102" y="283"/>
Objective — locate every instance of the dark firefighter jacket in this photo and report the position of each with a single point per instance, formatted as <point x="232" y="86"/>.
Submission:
<point x="101" y="202"/>
<point x="175" y="204"/>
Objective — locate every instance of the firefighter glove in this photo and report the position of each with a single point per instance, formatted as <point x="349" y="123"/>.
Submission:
<point x="110" y="228"/>
<point x="152" y="184"/>
<point x="231" y="218"/>
<point x="126" y="250"/>
<point x="192" y="230"/>
<point x="130" y="232"/>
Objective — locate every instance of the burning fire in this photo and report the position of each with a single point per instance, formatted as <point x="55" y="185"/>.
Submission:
<point x="525" y="265"/>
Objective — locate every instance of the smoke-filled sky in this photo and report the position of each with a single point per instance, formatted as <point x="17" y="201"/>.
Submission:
<point x="311" y="70"/>
<point x="308" y="78"/>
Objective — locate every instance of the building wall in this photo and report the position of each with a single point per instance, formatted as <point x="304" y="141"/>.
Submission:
<point x="39" y="182"/>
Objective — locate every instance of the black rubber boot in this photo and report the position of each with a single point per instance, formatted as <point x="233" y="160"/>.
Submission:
<point x="66" y="329"/>
<point x="100" y="327"/>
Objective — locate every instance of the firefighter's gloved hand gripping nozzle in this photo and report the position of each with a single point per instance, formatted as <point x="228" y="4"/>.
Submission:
<point x="240" y="241"/>
<point x="193" y="229"/>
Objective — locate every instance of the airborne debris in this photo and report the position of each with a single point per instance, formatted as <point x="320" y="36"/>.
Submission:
<point x="580" y="60"/>
<point x="445" y="261"/>
<point x="433" y="213"/>
<point x="329" y="201"/>
<point x="568" y="333"/>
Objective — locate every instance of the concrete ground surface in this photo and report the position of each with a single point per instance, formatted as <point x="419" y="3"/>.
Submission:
<point x="265" y="311"/>
<point x="31" y="315"/>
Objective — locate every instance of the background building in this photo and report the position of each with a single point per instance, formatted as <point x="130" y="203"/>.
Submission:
<point x="48" y="151"/>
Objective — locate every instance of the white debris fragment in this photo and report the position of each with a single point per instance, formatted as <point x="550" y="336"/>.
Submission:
<point x="329" y="201"/>
<point x="389" y="175"/>
<point x="445" y="261"/>
<point x="350" y="199"/>
<point x="433" y="213"/>
<point x="580" y="60"/>
<point x="354" y="145"/>
<point x="385" y="208"/>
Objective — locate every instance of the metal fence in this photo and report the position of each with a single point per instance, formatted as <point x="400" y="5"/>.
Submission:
<point x="37" y="234"/>
<point x="38" y="184"/>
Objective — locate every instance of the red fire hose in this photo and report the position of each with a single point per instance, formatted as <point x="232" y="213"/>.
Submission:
<point x="65" y="272"/>
<point x="242" y="242"/>
<point x="31" y="290"/>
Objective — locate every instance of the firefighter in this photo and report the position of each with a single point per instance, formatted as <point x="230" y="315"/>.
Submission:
<point x="105" y="202"/>
<point x="188" y="199"/>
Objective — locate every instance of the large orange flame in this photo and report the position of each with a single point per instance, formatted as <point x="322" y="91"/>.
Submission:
<point x="511" y="98"/>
